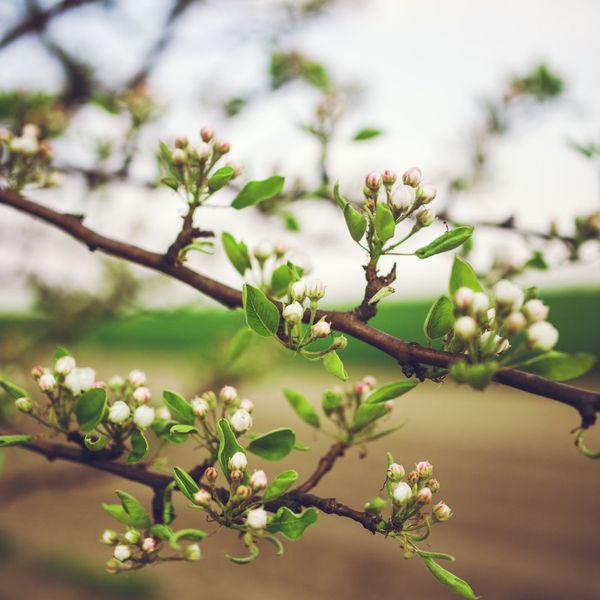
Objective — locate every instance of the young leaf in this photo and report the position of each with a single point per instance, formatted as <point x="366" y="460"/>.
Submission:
<point x="366" y="134"/>
<point x="451" y="581"/>
<point x="161" y="531"/>
<point x="463" y="275"/>
<point x="367" y="414"/>
<point x="355" y="221"/>
<point x="237" y="253"/>
<point x="303" y="408"/>
<point x="14" y="440"/>
<point x="139" y="447"/>
<point x="179" y="407"/>
<point x="392" y="390"/>
<point x="240" y="342"/>
<point x="262" y="315"/>
<point x="220" y="178"/>
<point x="440" y="318"/>
<point x="275" y="445"/>
<point x="280" y="484"/>
<point x="560" y="366"/>
<point x="90" y="408"/>
<point x="258" y="191"/>
<point x="384" y="222"/>
<point x="334" y="365"/>
<point x="170" y="182"/>
<point x="138" y="516"/>
<point x="116" y="511"/>
<point x="280" y="281"/>
<point x="330" y="401"/>
<point x="60" y="352"/>
<point x="537" y="261"/>
<point x="228" y="445"/>
<point x="290" y="524"/>
<point x="192" y="535"/>
<point x="253" y="552"/>
<point x="341" y="201"/>
<point x="188" y="487"/>
<point x="94" y="441"/>
<point x="13" y="390"/>
<point x="447" y="241"/>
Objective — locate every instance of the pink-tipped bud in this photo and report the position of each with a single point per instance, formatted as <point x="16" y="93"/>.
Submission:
<point x="202" y="497"/>
<point x="426" y="193"/>
<point x="238" y="462"/>
<point x="298" y="291"/>
<point x="395" y="472"/>
<point x="137" y="378"/>
<point x="424" y="468"/>
<point x="64" y="365"/>
<point x="424" y="495"/>
<point x="292" y="313"/>
<point x="247" y="405"/>
<point x="360" y="388"/>
<point x="315" y="289"/>
<point x="389" y="405"/>
<point x="222" y="147"/>
<point x="373" y="181"/>
<point x="340" y="342"/>
<point x="200" y="407"/>
<point x="244" y="491"/>
<point x="202" y="152"/>
<point x="47" y="382"/>
<point x="181" y="142"/>
<point x="412" y="477"/>
<point x="441" y="511"/>
<point x="179" y="157"/>
<point x="280" y="248"/>
<point x="207" y="134"/>
<point x="240" y="421"/>
<point x="37" y="372"/>
<point x="370" y="381"/>
<point x="149" y="545"/>
<point x="540" y="336"/>
<point x="321" y="329"/>
<point x="412" y="177"/>
<point x="258" y="480"/>
<point x="211" y="474"/>
<point x="434" y="485"/>
<point x="142" y="395"/>
<point x="109" y="537"/>
<point x="122" y="552"/>
<point x="228" y="394"/>
<point x="463" y="298"/>
<point x="388" y="177"/>
<point x="425" y="217"/>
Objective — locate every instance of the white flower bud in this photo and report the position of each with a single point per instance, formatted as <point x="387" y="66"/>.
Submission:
<point x="202" y="152"/>
<point x="542" y="336"/>
<point x="515" y="322"/>
<point x="463" y="298"/>
<point x="207" y="134"/>
<point x="116" y="381"/>
<point x="509" y="297"/>
<point x="31" y="130"/>
<point x="64" y="365"/>
<point x="427" y="193"/>
<point x="257" y="518"/>
<point x="424" y="468"/>
<point x="163" y="413"/>
<point x="192" y="552"/>
<point x="222" y="147"/>
<point x="321" y="329"/>
<point x="402" y="493"/>
<point x="122" y="552"/>
<point x="247" y="405"/>
<point x="424" y="495"/>
<point x="441" y="511"/>
<point x="119" y="412"/>
<point x="228" y="394"/>
<point x="179" y="156"/>
<point x="258" y="480"/>
<point x="137" y="378"/>
<point x="389" y="405"/>
<point x="47" y="382"/>
<point x="412" y="177"/>
<point x="292" y="313"/>
<point x="24" y="404"/>
<point x="315" y="289"/>
<point x="425" y="217"/>
<point x="143" y="416"/>
<point x="480" y="303"/>
<point x="241" y="420"/>
<point x="370" y="381"/>
<point x="142" y="395"/>
<point x="263" y="250"/>
<point x="535" y="310"/>
<point x="132" y="536"/>
<point x="202" y="497"/>
<point x="395" y="472"/>
<point x="280" y="248"/>
<point x="149" y="545"/>
<point x="298" y="291"/>
<point x="81" y="379"/>
<point x="238" y="462"/>
<point x="109" y="537"/>
<point x="403" y="198"/>
<point x="465" y="328"/>
<point x="200" y="407"/>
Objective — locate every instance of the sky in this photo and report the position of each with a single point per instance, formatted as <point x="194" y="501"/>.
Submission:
<point x="422" y="67"/>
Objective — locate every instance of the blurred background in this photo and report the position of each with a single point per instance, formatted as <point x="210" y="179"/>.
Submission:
<point x="497" y="102"/>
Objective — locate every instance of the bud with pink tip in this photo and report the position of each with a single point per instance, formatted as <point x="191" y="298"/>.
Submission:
<point x="403" y="198"/>
<point x="263" y="251"/>
<point x="257" y="518"/>
<point x="315" y="289"/>
<point x="292" y="313"/>
<point x="340" y="342"/>
<point x="37" y="372"/>
<point x="200" y="407"/>
<point x="441" y="512"/>
<point x="143" y="416"/>
<point x="207" y="134"/>
<point x="202" y="152"/>
<point x="47" y="382"/>
<point x="241" y="420"/>
<point x="434" y="485"/>
<point x="228" y="394"/>
<point x="179" y="157"/>
<point x="236" y="476"/>
<point x="137" y="378"/>
<point x="238" y="462"/>
<point x="142" y="395"/>
<point x="258" y="480"/>
<point x="424" y="495"/>
<point x="424" y="468"/>
<point x="24" y="404"/>
<point x="465" y="328"/>
<point x="515" y="322"/>
<point x="109" y="537"/>
<point x="373" y="181"/>
<point x="402" y="493"/>
<point x="298" y="291"/>
<point x="413" y="477"/>
<point x="243" y="492"/>
<point x="181" y="142"/>
<point x="542" y="336"/>
<point x="535" y="310"/>
<point x="122" y="552"/>
<point x="321" y="329"/>
<point x="149" y="545"/>
<point x="412" y="177"/>
<point x="119" y="412"/>
<point x="211" y="474"/>
<point x="202" y="497"/>
<point x="370" y="381"/>
<point x="426" y="193"/>
<point x="247" y="405"/>
<point x="222" y="147"/>
<point x="463" y="298"/>
<point x="360" y="388"/>
<point x="389" y="405"/>
<point x="64" y="365"/>
<point x="388" y="177"/>
<point x="425" y="217"/>
<point x="395" y="472"/>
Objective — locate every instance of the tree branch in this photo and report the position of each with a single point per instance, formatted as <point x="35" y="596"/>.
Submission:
<point x="586" y="402"/>
<point x="325" y="465"/>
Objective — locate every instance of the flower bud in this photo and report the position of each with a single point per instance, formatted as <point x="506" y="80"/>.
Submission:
<point x="243" y="492"/>
<point x="64" y="365"/>
<point x="200" y="407"/>
<point x="375" y="506"/>
<point x="434" y="485"/>
<point x="241" y="420"/>
<point x="373" y="181"/>
<point x="424" y="495"/>
<point x="142" y="395"/>
<point x="321" y="329"/>
<point x="515" y="322"/>
<point x="292" y="313"/>
<point x="222" y="147"/>
<point x="162" y="412"/>
<point x="37" y="372"/>
<point x="465" y="328"/>
<point x="389" y="405"/>
<point x="211" y="474"/>
<point x="247" y="405"/>
<point x="47" y="382"/>
<point x="370" y="381"/>
<point x="122" y="552"/>
<point x="426" y="193"/>
<point x="236" y="476"/>
<point x="116" y="382"/>
<point x="181" y="142"/>
<point x="202" y="152"/>
<point x="132" y="536"/>
<point x="31" y="130"/>
<point x="149" y="545"/>
<point x="258" y="481"/>
<point x="113" y="566"/>
<point x="508" y="296"/>
<point x="424" y="468"/>
<point x="403" y="198"/>
<point x="26" y="145"/>
<point x="395" y="472"/>
<point x="109" y="537"/>
<point x="238" y="462"/>
<point x="137" y="378"/>
<point x="238" y="168"/>
<point x="179" y="157"/>
<point x="463" y="298"/>
<point x="298" y="291"/>
<point x="412" y="177"/>
<point x="388" y="177"/>
<point x="280" y="248"/>
<point x="402" y="493"/>
<point x="228" y="394"/>
<point x="535" y="310"/>
<point x="24" y="404"/>
<point x="202" y="497"/>
<point x="441" y="512"/>
<point x="425" y="217"/>
<point x="315" y="289"/>
<point x="192" y="552"/>
<point x="413" y="477"/>
<point x="480" y="303"/>
<point x="263" y="251"/>
<point x="257" y="518"/>
<point x="143" y="416"/>
<point x="360" y="388"/>
<point x="207" y="134"/>
<point x="119" y="412"/>
<point x="80" y="379"/>
<point x="542" y="336"/>
<point x="340" y="342"/>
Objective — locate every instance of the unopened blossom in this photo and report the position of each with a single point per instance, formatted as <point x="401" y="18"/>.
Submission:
<point x="480" y="303"/>
<point x="116" y="381"/>
<point x="441" y="511"/>
<point x="402" y="493"/>
<point x="241" y="420"/>
<point x="370" y="381"/>
<point x="132" y="536"/>
<point x="424" y="495"/>
<point x="119" y="412"/>
<point x="292" y="313"/>
<point x="149" y="545"/>
<point x="238" y="462"/>
<point x="340" y="342"/>
<point x="222" y="147"/>
<point x="257" y="518"/>
<point x="143" y="416"/>
<point x="207" y="134"/>
<point x="179" y="156"/>
<point x="258" y="480"/>
<point x="321" y="329"/>
<point x="373" y="181"/>
<point x="228" y="394"/>
<point x="465" y="328"/>
<point x="200" y="407"/>
<point x="427" y="193"/>
<point x="202" y="497"/>
<point x="47" y="382"/>
<point x="509" y="297"/>
<point x="298" y="291"/>
<point x="247" y="405"/>
<point x="192" y="552"/>
<point x="403" y="198"/>
<point x="137" y="378"/>
<point x="64" y="365"/>
<point x="463" y="298"/>
<point x="80" y="379"/>
<point x="24" y="404"/>
<point x="412" y="176"/>
<point x="122" y="552"/>
<point x="535" y="310"/>
<point x="425" y="217"/>
<point x="515" y="322"/>
<point x="263" y="250"/>
<point x="542" y="336"/>
<point x="163" y="413"/>
<point x="395" y="472"/>
<point x="109" y="537"/>
<point x="424" y="468"/>
<point x="211" y="474"/>
<point x="315" y="289"/>
<point x="280" y="248"/>
<point x="243" y="492"/>
<point x="388" y="177"/>
<point x="142" y="395"/>
<point x="202" y="152"/>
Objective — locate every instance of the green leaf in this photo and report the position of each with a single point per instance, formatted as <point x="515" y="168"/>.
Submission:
<point x="60" y="352"/>
<point x="179" y="408"/>
<point x="463" y="275"/>
<point x="478" y="376"/>
<point x="116" y="511"/>
<point x="170" y="182"/>
<point x="240" y="342"/>
<point x="367" y="414"/>
<point x="262" y="315"/>
<point x="139" y="447"/>
<point x="161" y="531"/>
<point x="183" y="429"/>
<point x="334" y="365"/>
<point x="355" y="221"/>
<point x="392" y="390"/>
<point x="188" y="487"/>
<point x="560" y="366"/>
<point x="138" y="516"/>
<point x="168" y="508"/>
<point x="447" y="241"/>
<point x="442" y="555"/>
<point x="94" y="441"/>
<point x="330" y="401"/>
<point x="537" y="261"/>
<point x="280" y="484"/>
<point x="303" y="408"/>
<point x="192" y="535"/>
<point x="228" y="445"/>
<point x="341" y="201"/>
<point x="440" y="318"/>
<point x="258" y="191"/>
<point x="237" y="253"/>
<point x="384" y="292"/>
<point x="280" y="281"/>
<point x="290" y="221"/>
<point x="13" y="390"/>
<point x="220" y="178"/>
<point x="366" y="134"/>
<point x="384" y="222"/>
<point x="253" y="552"/>
<point x="451" y="581"/>
<point x="290" y="524"/>
<point x="274" y="445"/>
<point x="14" y="440"/>
<point x="90" y="408"/>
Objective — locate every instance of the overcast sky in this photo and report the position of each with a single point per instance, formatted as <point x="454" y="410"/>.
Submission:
<point x="422" y="64"/>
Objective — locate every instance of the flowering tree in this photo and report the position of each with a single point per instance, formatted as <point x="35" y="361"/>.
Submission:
<point x="484" y="329"/>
